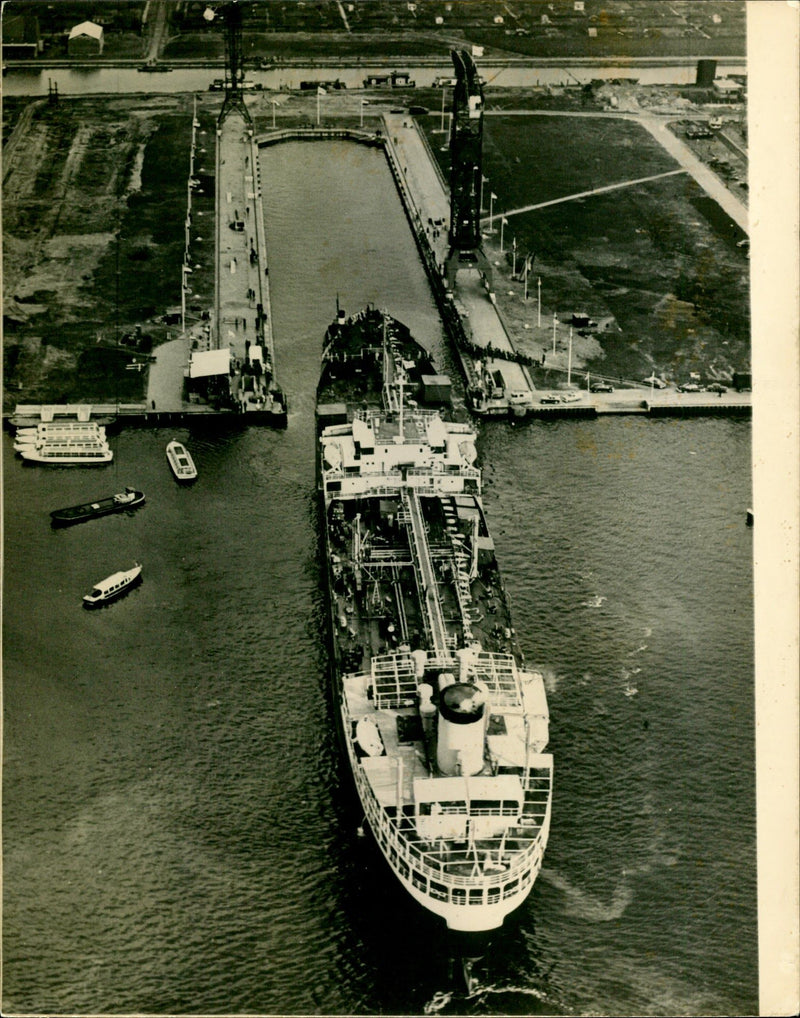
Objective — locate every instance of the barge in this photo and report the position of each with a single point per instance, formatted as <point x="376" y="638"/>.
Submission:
<point x="119" y="502"/>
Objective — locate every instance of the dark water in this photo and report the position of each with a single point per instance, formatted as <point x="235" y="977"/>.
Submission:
<point x="179" y="832"/>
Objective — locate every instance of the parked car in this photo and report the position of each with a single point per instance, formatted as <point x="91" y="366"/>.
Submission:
<point x="689" y="387"/>
<point x="716" y="387"/>
<point x="601" y="387"/>
<point x="570" y="397"/>
<point x="520" y="397"/>
<point x="657" y="383"/>
<point x="550" y="398"/>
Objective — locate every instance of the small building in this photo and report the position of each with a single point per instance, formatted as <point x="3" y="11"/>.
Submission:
<point x="208" y="374"/>
<point x="86" y="40"/>
<point x="728" y="88"/>
<point x="435" y="388"/>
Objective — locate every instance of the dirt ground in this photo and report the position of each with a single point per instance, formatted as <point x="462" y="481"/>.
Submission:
<point x="91" y="248"/>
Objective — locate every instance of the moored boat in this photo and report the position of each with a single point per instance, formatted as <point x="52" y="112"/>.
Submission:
<point x="59" y="429"/>
<point x="67" y="453"/>
<point x="444" y="726"/>
<point x="181" y="462"/>
<point x="26" y="443"/>
<point x="130" y="498"/>
<point x="48" y="434"/>
<point x="112" y="587"/>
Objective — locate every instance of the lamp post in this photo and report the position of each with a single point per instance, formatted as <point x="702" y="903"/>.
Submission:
<point x="274" y="104"/>
<point x="555" y="323"/>
<point x="484" y="180"/>
<point x="569" y="358"/>
<point x="492" y="197"/>
<point x="320" y="91"/>
<point x="539" y="302"/>
<point x="364" y="102"/>
<point x="503" y="222"/>
<point x="514" y="257"/>
<point x="184" y="287"/>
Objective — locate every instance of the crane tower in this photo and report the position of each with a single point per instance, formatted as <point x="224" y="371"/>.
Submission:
<point x="234" y="62"/>
<point x="466" y="155"/>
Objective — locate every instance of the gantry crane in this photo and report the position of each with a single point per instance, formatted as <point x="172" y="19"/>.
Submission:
<point x="466" y="158"/>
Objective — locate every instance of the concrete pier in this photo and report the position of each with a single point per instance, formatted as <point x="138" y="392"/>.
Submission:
<point x="481" y="321"/>
<point x="243" y="312"/>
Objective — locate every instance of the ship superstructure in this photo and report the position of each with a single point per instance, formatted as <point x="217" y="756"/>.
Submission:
<point x="444" y="726"/>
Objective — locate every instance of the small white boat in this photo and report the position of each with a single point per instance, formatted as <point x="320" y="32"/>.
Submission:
<point x="181" y="462"/>
<point x="114" y="586"/>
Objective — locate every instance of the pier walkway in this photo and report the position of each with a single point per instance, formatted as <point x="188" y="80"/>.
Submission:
<point x="242" y="283"/>
<point x="430" y="195"/>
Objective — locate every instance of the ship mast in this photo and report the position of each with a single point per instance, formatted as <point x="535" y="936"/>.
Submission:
<point x="401" y="405"/>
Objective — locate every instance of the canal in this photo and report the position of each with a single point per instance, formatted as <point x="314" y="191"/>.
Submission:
<point x="86" y="80"/>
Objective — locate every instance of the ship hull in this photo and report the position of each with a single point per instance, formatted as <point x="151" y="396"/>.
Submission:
<point x="92" y="510"/>
<point x="461" y="918"/>
<point x="443" y="727"/>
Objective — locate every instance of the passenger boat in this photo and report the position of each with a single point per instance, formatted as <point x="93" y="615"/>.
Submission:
<point x="181" y="462"/>
<point x="130" y="498"/>
<point x="444" y="726"/>
<point x="61" y="429"/>
<point x="114" y="586"/>
<point x="26" y="442"/>
<point x="67" y="453"/>
<point x="81" y="434"/>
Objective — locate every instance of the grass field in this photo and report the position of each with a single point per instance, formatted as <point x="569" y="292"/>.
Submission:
<point x="659" y="258"/>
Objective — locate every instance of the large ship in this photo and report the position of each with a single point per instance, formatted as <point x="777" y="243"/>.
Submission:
<point x="444" y="726"/>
